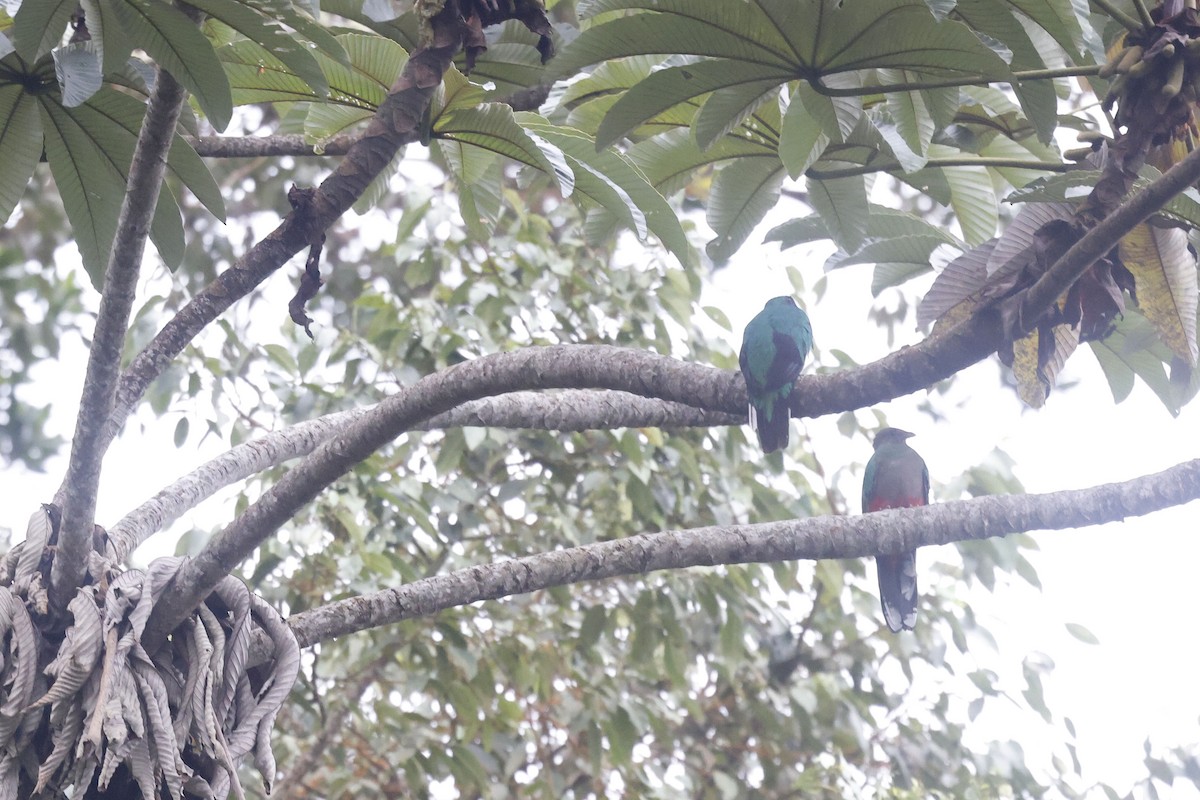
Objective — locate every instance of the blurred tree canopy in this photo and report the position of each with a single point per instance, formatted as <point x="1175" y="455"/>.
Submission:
<point x="508" y="362"/>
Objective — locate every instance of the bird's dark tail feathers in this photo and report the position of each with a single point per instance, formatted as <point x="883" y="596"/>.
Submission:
<point x="898" y="590"/>
<point x="770" y="421"/>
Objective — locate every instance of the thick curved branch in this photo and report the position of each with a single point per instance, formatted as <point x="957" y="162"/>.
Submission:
<point x="78" y="495"/>
<point x="557" y="367"/>
<point x="396" y="123"/>
<point x="571" y="410"/>
<point x="578" y="410"/>
<point x="237" y="464"/>
<point x="810" y="538"/>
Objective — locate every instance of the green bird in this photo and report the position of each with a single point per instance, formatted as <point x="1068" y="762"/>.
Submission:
<point x="896" y="478"/>
<point x="774" y="347"/>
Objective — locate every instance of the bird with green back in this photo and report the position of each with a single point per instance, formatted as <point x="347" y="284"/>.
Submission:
<point x="774" y="347"/>
<point x="896" y="478"/>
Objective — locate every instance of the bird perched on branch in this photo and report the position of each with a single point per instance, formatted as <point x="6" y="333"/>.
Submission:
<point x="774" y="347"/>
<point x="896" y="478"/>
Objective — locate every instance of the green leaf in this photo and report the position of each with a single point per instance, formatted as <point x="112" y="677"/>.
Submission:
<point x="181" y="432"/>
<point x="669" y="87"/>
<point x="842" y="204"/>
<point x="622" y="736"/>
<point x="90" y="148"/>
<point x="255" y="76"/>
<point x="700" y="27"/>
<point x="913" y="117"/>
<point x="290" y="14"/>
<point x="493" y="128"/>
<point x="1135" y="348"/>
<point x="109" y="37"/>
<point x="727" y="108"/>
<point x="670" y="161"/>
<point x="803" y="137"/>
<point x="889" y="274"/>
<point x="38" y="26"/>
<point x="178" y="46"/>
<point x="1081" y="633"/>
<point x="20" y="144"/>
<point x="182" y="161"/>
<point x="269" y="34"/>
<point x="91" y="188"/>
<point x="611" y="179"/>
<point x="972" y="197"/>
<point x="742" y="194"/>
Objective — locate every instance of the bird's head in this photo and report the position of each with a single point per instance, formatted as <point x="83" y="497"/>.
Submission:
<point x="886" y="435"/>
<point x="784" y="300"/>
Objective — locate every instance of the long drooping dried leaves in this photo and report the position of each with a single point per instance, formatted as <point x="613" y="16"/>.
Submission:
<point x="88" y="706"/>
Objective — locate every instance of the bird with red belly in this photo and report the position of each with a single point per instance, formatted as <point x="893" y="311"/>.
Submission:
<point x="896" y="477"/>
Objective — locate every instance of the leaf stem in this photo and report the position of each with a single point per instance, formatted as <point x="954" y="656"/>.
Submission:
<point x="1128" y="22"/>
<point x="972" y="80"/>
<point x="1001" y="163"/>
<point x="1144" y="13"/>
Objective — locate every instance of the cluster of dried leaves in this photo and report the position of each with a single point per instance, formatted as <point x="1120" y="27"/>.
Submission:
<point x="181" y="718"/>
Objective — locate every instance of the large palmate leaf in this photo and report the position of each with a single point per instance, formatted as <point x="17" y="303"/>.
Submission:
<point x="108" y="35"/>
<point x="492" y="128"/>
<point x="355" y="88"/>
<point x="589" y="99"/>
<point x="996" y="19"/>
<point x="814" y="37"/>
<point x="755" y="45"/>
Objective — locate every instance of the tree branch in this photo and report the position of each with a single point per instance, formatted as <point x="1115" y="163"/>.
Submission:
<point x="266" y="146"/>
<point x="529" y="99"/>
<point x="965" y="161"/>
<point x="810" y="538"/>
<point x="78" y="494"/>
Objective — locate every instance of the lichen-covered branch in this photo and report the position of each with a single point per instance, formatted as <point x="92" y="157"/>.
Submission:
<point x="809" y="538"/>
<point x="78" y="495"/>
<point x="572" y="410"/>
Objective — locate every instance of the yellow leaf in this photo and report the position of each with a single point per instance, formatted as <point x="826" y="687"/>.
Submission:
<point x="1165" y="273"/>
<point x="1034" y="379"/>
<point x="1025" y="369"/>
